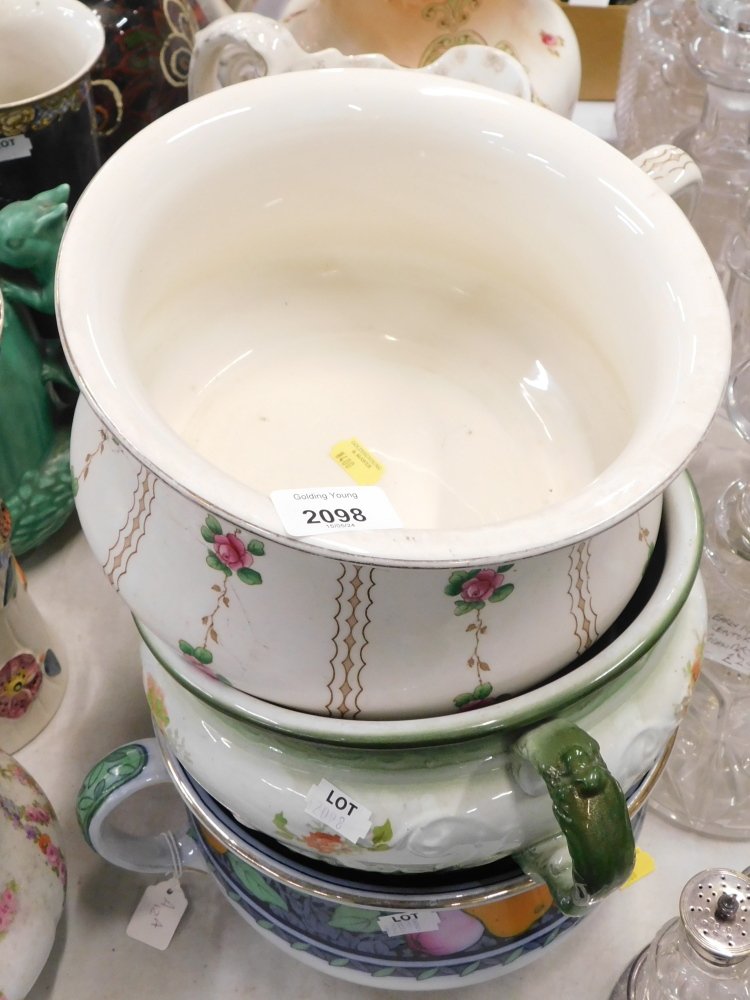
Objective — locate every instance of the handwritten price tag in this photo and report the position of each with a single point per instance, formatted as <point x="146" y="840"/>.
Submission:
<point x="334" y="508"/>
<point x="338" y="811"/>
<point x="158" y="914"/>
<point x="728" y="643"/>
<point x="413" y="922"/>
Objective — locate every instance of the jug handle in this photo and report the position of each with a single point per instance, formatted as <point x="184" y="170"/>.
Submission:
<point x="675" y="172"/>
<point x="596" y="851"/>
<point x="123" y="772"/>
<point x="247" y="46"/>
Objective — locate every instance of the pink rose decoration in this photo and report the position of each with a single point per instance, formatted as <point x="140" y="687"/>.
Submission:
<point x="7" y="909"/>
<point x="53" y="856"/>
<point x="37" y="815"/>
<point x="232" y="552"/>
<point x="482" y="586"/>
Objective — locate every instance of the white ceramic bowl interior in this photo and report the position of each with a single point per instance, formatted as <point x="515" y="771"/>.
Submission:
<point x="45" y="45"/>
<point x="514" y="320"/>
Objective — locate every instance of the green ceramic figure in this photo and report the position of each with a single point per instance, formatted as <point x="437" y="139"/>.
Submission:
<point x="34" y="443"/>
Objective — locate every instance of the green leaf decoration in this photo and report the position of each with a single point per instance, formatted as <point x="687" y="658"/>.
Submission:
<point x="265" y="924"/>
<point x="481" y="692"/>
<point x="116" y="770"/>
<point x="203" y="655"/>
<point x="379" y="847"/>
<point x="505" y="567"/>
<point x="502" y="592"/>
<point x="339" y="962"/>
<point x="215" y="563"/>
<point x="249" y="576"/>
<point x="207" y="535"/>
<point x="351" y="918"/>
<point x="428" y="974"/>
<point x="382" y="834"/>
<point x="300" y="945"/>
<point x="464" y="607"/>
<point x="255" y="884"/>
<point x="235" y="896"/>
<point x="457" y="580"/>
<point x="384" y="972"/>
<point x="280" y="821"/>
<point x="213" y="526"/>
<point x="223" y="679"/>
<point x="514" y="956"/>
<point x="470" y="968"/>
<point x="256" y="548"/>
<point x="463" y="699"/>
<point x="73" y="482"/>
<point x="186" y="648"/>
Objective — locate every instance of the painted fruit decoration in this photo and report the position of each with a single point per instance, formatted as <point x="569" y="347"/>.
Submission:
<point x="458" y="931"/>
<point x="511" y="917"/>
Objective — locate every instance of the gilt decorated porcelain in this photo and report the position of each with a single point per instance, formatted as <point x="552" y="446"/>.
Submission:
<point x="32" y="879"/>
<point x="47" y="134"/>
<point x="244" y="46"/>
<point x="230" y="342"/>
<point x="417" y="32"/>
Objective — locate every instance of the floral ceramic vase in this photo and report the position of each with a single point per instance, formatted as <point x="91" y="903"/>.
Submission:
<point x="36" y="387"/>
<point x="32" y="879"/>
<point x="142" y="73"/>
<point x="417" y="32"/>
<point x="32" y="679"/>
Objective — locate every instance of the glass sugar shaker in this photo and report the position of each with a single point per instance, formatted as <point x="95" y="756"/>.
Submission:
<point x="704" y="954"/>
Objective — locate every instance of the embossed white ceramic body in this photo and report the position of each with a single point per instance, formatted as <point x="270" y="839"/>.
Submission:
<point x="32" y="879"/>
<point x="414" y="33"/>
<point x="457" y="805"/>
<point x="529" y="404"/>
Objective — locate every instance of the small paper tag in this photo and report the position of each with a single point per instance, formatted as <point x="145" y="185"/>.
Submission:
<point x="334" y="508"/>
<point x="588" y="3"/>
<point x="158" y="914"/>
<point x="728" y="642"/>
<point x="357" y="461"/>
<point x="644" y="865"/>
<point x="338" y="811"/>
<point x="15" y="147"/>
<point x="412" y="922"/>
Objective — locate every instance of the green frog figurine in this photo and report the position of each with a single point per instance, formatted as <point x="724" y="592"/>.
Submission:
<point x="35" y="475"/>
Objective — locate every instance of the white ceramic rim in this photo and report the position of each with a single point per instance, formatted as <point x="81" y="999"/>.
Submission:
<point x="93" y="22"/>
<point x="683" y="524"/>
<point x="609" y="499"/>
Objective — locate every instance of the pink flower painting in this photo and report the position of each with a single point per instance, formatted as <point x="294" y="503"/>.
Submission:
<point x="232" y="552"/>
<point x="20" y="680"/>
<point x="8" y="907"/>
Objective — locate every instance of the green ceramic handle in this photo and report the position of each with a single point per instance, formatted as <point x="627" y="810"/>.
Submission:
<point x="592" y="812"/>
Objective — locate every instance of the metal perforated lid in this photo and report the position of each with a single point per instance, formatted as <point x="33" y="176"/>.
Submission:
<point x="715" y="909"/>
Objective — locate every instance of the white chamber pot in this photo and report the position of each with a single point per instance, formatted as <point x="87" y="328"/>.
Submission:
<point x="462" y="804"/>
<point x="437" y="270"/>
